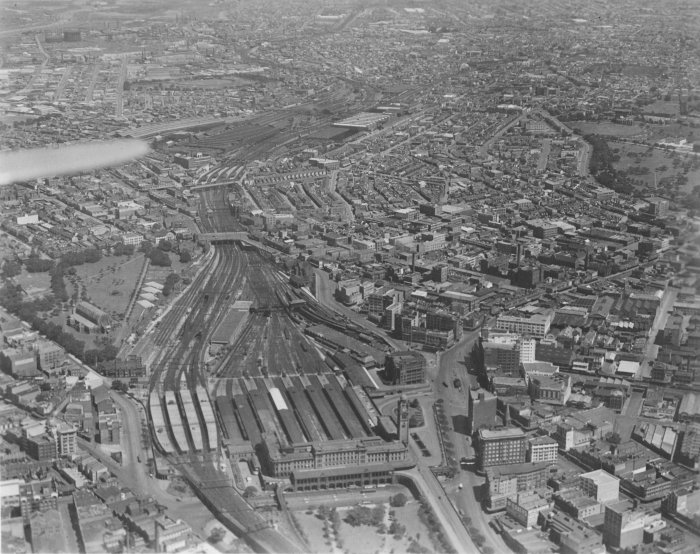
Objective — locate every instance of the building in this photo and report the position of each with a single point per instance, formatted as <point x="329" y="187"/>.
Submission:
<point x="625" y="524"/>
<point x="573" y="536"/>
<point x="66" y="439"/>
<point x="658" y="207"/>
<point x="502" y="357"/>
<point x="132" y="239"/>
<point x="342" y="477"/>
<point x="551" y="390"/>
<point x="129" y="367"/>
<point x="41" y="447"/>
<point x="46" y="530"/>
<point x="503" y="482"/>
<point x="406" y="367"/>
<point x="602" y="486"/>
<point x="575" y="503"/>
<point x="526" y="507"/>
<point x="192" y="162"/>
<point x="536" y="325"/>
<point x="90" y="317"/>
<point x="19" y="363"/>
<point x="528" y="348"/>
<point x="481" y="410"/>
<point x="283" y="460"/>
<point x="542" y="449"/>
<point x="501" y="447"/>
<point x="171" y="535"/>
<point x="49" y="356"/>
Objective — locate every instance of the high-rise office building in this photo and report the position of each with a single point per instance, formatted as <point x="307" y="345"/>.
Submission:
<point x="501" y="447"/>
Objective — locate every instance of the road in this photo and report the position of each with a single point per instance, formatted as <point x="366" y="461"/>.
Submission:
<point x="452" y="524"/>
<point x="132" y="445"/>
<point x="452" y="366"/>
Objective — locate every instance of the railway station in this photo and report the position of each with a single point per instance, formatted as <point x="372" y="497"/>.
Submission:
<point x="307" y="423"/>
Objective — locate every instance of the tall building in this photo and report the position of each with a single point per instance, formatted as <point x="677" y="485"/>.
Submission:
<point x="66" y="440"/>
<point x="481" y="409"/>
<point x="625" y="524"/>
<point x="527" y="350"/>
<point x="501" y="447"/>
<point x="503" y="482"/>
<point x="49" y="355"/>
<point x="41" y="447"/>
<point x="405" y="368"/>
<point x="501" y="356"/>
<point x="543" y="449"/>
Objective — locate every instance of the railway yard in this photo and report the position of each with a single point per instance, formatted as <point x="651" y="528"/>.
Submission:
<point x="275" y="379"/>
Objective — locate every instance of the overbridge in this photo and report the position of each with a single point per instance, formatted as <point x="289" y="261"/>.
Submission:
<point x="230" y="236"/>
<point x="236" y="236"/>
<point x="214" y="185"/>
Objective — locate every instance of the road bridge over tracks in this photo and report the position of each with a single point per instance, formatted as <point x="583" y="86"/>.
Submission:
<point x="236" y="236"/>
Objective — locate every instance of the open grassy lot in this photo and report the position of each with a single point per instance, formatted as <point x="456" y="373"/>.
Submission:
<point x="607" y="128"/>
<point x="110" y="282"/>
<point x="34" y="284"/>
<point x="641" y="162"/>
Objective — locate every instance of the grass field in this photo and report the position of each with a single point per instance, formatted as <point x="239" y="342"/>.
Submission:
<point x="607" y="128"/>
<point x="635" y="157"/>
<point x="111" y="281"/>
<point x="34" y="284"/>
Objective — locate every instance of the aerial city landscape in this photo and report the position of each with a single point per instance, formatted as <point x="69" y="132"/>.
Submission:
<point x="350" y="276"/>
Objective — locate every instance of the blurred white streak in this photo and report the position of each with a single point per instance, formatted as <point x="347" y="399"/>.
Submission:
<point x="23" y="165"/>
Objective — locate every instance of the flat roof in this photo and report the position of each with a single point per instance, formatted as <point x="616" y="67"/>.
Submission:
<point x="507" y="433"/>
<point x="601" y="477"/>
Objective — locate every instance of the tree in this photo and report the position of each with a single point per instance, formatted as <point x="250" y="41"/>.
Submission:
<point x="159" y="258"/>
<point x="123" y="250"/>
<point x="613" y="438"/>
<point x="185" y="257"/>
<point x="324" y="512"/>
<point x="165" y="245"/>
<point x="398" y="500"/>
<point x="35" y="264"/>
<point x="11" y="268"/>
<point x="217" y="535"/>
<point x="250" y="492"/>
